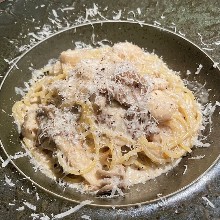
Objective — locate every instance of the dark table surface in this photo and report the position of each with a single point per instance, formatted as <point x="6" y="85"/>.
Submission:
<point x="198" y="20"/>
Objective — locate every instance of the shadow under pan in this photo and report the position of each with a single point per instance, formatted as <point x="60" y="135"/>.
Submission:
<point x="179" y="54"/>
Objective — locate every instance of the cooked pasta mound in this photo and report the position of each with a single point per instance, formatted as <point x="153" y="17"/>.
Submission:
<point x="108" y="118"/>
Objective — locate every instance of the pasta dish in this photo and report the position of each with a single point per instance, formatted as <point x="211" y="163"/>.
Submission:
<point x="108" y="118"/>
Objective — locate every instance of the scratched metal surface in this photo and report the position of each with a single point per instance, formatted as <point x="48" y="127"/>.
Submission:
<point x="19" y="17"/>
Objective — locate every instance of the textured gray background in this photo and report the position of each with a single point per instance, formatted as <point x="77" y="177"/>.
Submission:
<point x="19" y="17"/>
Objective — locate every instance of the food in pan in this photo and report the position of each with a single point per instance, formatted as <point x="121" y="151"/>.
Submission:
<point x="108" y="118"/>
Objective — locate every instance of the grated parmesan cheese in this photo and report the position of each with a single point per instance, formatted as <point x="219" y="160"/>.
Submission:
<point x="173" y="26"/>
<point x="54" y="13"/>
<point x="208" y="202"/>
<point x="19" y="155"/>
<point x="91" y="12"/>
<point x="217" y="43"/>
<point x="6" y="162"/>
<point x="198" y="69"/>
<point x="20" y="208"/>
<point x="197" y="157"/>
<point x="38" y="216"/>
<point x="30" y="206"/>
<point x="181" y="33"/>
<point x="37" y="196"/>
<point x="188" y="72"/>
<point x="72" y="210"/>
<point x="35" y="36"/>
<point x="133" y="16"/>
<point x="67" y="9"/>
<point x="157" y="23"/>
<point x="162" y="16"/>
<point x="208" y="49"/>
<point x="163" y="200"/>
<point x="201" y="39"/>
<point x="16" y="156"/>
<point x="215" y="65"/>
<point x="117" y="16"/>
<point x="9" y="182"/>
<point x="1" y="159"/>
<point x="19" y="91"/>
<point x="186" y="167"/>
<point x="86" y="217"/>
<point x="208" y="111"/>
<point x="139" y="11"/>
<point x="44" y="218"/>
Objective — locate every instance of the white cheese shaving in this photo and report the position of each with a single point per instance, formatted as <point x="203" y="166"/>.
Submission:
<point x="1" y="159"/>
<point x="6" y="162"/>
<point x="19" y="155"/>
<point x="35" y="36"/>
<point x="201" y="39"/>
<point x="12" y="61"/>
<point x="117" y="16"/>
<point x="20" y="208"/>
<point x="37" y="196"/>
<point x="186" y="167"/>
<point x="208" y="202"/>
<point x="217" y="43"/>
<point x="36" y="75"/>
<point x="197" y="157"/>
<point x="4" y="112"/>
<point x="7" y="61"/>
<point x="163" y="200"/>
<point x="133" y="16"/>
<point x="181" y="33"/>
<point x="209" y="49"/>
<point x="44" y="218"/>
<point x="207" y="113"/>
<point x="67" y="9"/>
<point x="173" y="26"/>
<point x="16" y="156"/>
<point x="139" y="11"/>
<point x="92" y="12"/>
<point x="188" y="72"/>
<point x="215" y="65"/>
<point x="19" y="91"/>
<point x="162" y="16"/>
<point x="55" y="22"/>
<point x="30" y="206"/>
<point x="38" y="216"/>
<point x="198" y="69"/>
<point x="54" y="13"/>
<point x="72" y="210"/>
<point x="86" y="217"/>
<point x="8" y="181"/>
<point x="157" y="23"/>
<point x="45" y="32"/>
